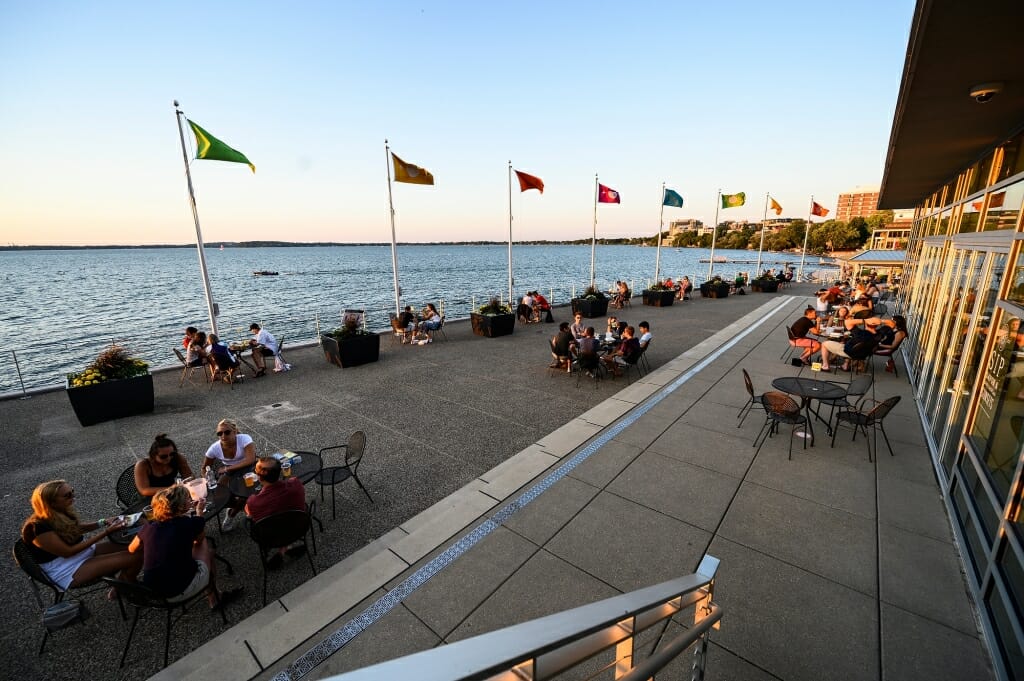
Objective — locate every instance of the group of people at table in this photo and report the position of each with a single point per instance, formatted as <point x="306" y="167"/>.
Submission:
<point x="170" y="553"/>
<point x="533" y="308"/>
<point x="848" y="323"/>
<point x="207" y="350"/>
<point x="577" y="341"/>
<point x="413" y="326"/>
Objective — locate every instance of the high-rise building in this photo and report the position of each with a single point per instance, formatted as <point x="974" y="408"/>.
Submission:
<point x="956" y="153"/>
<point x="860" y="202"/>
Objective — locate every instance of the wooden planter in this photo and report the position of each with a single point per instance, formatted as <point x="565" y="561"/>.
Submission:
<point x="590" y="307"/>
<point x="351" y="351"/>
<point x="492" y="325"/>
<point x="711" y="290"/>
<point x="112" y="399"/>
<point x="764" y="286"/>
<point x="659" y="298"/>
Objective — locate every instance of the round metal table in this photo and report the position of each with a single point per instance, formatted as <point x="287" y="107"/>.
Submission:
<point x="216" y="500"/>
<point x="305" y="470"/>
<point x="808" y="389"/>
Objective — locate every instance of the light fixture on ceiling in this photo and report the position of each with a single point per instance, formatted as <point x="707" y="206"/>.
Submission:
<point x="984" y="92"/>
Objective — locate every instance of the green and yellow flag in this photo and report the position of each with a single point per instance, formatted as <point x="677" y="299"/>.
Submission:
<point x="212" y="149"/>
<point x="733" y="200"/>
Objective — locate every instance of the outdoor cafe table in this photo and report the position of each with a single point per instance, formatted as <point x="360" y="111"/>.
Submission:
<point x="239" y="350"/>
<point x="808" y="389"/>
<point x="216" y="500"/>
<point x="305" y="470"/>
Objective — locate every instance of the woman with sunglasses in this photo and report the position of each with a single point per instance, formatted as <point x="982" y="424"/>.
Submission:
<point x="55" y="537"/>
<point x="161" y="468"/>
<point x="233" y="452"/>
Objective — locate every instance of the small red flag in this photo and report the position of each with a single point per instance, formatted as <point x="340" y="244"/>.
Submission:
<point x="529" y="182"/>
<point x="607" y="195"/>
<point x="818" y="209"/>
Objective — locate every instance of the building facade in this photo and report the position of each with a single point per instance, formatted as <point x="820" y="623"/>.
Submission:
<point x="957" y="156"/>
<point x="861" y="202"/>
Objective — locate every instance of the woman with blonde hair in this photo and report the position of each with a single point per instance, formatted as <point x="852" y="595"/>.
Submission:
<point x="177" y="560"/>
<point x="233" y="452"/>
<point x="55" y="537"/>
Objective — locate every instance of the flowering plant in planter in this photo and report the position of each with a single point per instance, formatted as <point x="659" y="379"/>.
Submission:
<point x="494" y="307"/>
<point x="349" y="328"/>
<point x="112" y="364"/>
<point x="659" y="286"/>
<point x="593" y="293"/>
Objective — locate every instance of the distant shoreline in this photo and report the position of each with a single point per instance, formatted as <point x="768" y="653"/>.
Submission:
<point x="292" y="244"/>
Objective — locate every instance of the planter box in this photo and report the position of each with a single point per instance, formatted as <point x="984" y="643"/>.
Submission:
<point x="710" y="290"/>
<point x="492" y="325"/>
<point x="590" y="307"/>
<point x="112" y="399"/>
<point x="659" y="298"/>
<point x="352" y="351"/>
<point x="762" y="286"/>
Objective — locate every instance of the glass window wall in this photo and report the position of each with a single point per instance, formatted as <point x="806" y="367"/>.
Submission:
<point x="1004" y="208"/>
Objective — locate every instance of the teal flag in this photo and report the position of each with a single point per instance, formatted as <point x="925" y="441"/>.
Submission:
<point x="672" y="199"/>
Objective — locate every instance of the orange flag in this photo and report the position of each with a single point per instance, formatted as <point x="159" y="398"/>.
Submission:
<point x="529" y="182"/>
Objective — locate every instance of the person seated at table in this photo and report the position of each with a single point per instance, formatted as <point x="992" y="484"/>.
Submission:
<point x="196" y="355"/>
<point x="621" y="295"/>
<point x="525" y="310"/>
<point x="561" y="347"/>
<point x="430" y="320"/>
<point x="615" y="327"/>
<point x="891" y="334"/>
<point x="190" y="333"/>
<point x="263" y="345"/>
<point x="176" y="558"/>
<point x="277" y="494"/>
<point x="803" y="326"/>
<point x="861" y="332"/>
<point x="161" y="467"/>
<point x="578" y="328"/>
<point x="685" y="287"/>
<point x="222" y="357"/>
<point x="233" y="452"/>
<point x="862" y="308"/>
<point x="55" y="537"/>
<point x="588" y="343"/>
<point x="541" y="304"/>
<point x="407" y="321"/>
<point x="624" y="354"/>
<point x="645" y="334"/>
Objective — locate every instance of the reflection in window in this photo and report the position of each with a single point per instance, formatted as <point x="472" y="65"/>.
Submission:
<point x="1016" y="293"/>
<point x="971" y="215"/>
<point x="1004" y="207"/>
<point x="998" y="430"/>
<point x="981" y="172"/>
<point x="1013" y="159"/>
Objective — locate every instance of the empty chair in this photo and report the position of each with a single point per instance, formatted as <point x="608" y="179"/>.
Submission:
<point x="860" y="420"/>
<point x="751" y="401"/>
<point x="332" y="475"/>
<point x="278" y="531"/>
<point x="143" y="597"/>
<point x="779" y="408"/>
<point x="127" y="492"/>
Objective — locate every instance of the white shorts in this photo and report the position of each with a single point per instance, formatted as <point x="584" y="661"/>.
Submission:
<point x="199" y="582"/>
<point x="62" y="570"/>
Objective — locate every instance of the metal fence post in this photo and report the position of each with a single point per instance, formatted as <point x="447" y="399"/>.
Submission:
<point x="17" y="367"/>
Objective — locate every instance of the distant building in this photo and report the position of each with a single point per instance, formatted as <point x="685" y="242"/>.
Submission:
<point x="861" y="202"/>
<point x="689" y="225"/>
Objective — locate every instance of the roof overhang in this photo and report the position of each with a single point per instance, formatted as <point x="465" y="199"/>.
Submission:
<point x="938" y="128"/>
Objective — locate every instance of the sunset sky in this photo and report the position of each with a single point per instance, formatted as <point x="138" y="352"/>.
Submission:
<point x="790" y="98"/>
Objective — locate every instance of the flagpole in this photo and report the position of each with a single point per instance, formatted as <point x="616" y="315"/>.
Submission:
<point x="394" y="244"/>
<point x="210" y="305"/>
<point x="593" y="239"/>
<point x="807" y="230"/>
<point x="510" y="232"/>
<point x="757" y="270"/>
<point x="714" y="235"/>
<point x="661" y="223"/>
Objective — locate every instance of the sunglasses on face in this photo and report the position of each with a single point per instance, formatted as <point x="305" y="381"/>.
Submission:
<point x="223" y="432"/>
<point x="166" y="456"/>
<point x="70" y="494"/>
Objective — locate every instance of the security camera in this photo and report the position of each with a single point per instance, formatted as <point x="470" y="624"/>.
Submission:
<point x="985" y="92"/>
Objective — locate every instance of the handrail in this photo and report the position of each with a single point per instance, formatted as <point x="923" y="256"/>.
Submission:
<point x="547" y="646"/>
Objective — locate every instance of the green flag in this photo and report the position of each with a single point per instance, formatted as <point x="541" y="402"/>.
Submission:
<point x="212" y="149"/>
<point x="733" y="200"/>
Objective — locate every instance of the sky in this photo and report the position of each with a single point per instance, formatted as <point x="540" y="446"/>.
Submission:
<point x="791" y="98"/>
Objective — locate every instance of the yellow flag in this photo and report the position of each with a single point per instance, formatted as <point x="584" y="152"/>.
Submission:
<point x="407" y="172"/>
<point x="776" y="207"/>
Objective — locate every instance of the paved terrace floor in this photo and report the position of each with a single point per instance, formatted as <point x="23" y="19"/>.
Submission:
<point x="831" y="567"/>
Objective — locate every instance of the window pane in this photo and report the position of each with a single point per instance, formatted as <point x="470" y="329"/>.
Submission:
<point x="998" y="430"/>
<point x="1004" y="207"/>
<point x="1009" y="646"/>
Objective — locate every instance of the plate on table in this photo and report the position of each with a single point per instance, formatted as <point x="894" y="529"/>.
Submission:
<point x="130" y="519"/>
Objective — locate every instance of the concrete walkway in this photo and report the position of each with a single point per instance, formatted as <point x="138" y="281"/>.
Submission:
<point x="832" y="567"/>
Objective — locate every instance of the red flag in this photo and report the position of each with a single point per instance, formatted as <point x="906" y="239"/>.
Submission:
<point x="818" y="209"/>
<point x="529" y="182"/>
<point x="607" y="195"/>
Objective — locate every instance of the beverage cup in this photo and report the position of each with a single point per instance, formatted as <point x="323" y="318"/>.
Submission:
<point x="250" y="479"/>
<point x="148" y="513"/>
<point x="286" y="469"/>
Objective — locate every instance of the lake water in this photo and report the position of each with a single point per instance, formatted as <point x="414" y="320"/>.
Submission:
<point x="62" y="307"/>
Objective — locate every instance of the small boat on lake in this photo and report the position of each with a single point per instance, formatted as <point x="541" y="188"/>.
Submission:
<point x="264" y="273"/>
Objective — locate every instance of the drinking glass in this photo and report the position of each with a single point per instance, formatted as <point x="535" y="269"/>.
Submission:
<point x="286" y="469"/>
<point x="148" y="513"/>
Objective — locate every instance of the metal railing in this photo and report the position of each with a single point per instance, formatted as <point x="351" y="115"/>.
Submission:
<point x="548" y="646"/>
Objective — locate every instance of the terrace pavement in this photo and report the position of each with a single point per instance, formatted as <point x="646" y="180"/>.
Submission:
<point x="831" y="567"/>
